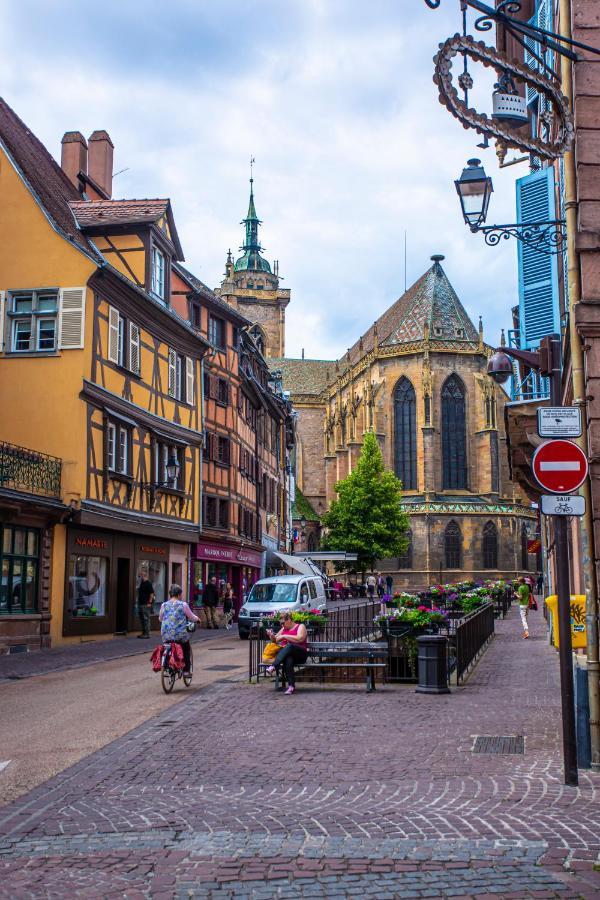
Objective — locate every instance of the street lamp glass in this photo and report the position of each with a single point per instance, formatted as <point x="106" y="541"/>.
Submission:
<point x="172" y="468"/>
<point x="474" y="188"/>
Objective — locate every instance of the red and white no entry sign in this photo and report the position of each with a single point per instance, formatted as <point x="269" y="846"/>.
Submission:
<point x="560" y="466"/>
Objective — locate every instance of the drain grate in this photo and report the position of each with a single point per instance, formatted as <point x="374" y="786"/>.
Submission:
<point x="166" y="723"/>
<point x="221" y="668"/>
<point x="499" y="743"/>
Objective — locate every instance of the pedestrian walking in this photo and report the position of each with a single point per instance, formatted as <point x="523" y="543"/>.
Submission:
<point x="210" y="600"/>
<point x="228" y="605"/>
<point x="145" y="599"/>
<point x="540" y="584"/>
<point x="380" y="586"/>
<point x="389" y="581"/>
<point x="371" y="585"/>
<point x="523" y="595"/>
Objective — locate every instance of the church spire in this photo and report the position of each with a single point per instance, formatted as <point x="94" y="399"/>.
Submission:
<point x="252" y="259"/>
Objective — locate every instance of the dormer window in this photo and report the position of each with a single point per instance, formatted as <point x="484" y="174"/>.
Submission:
<point x="460" y="332"/>
<point x="158" y="273"/>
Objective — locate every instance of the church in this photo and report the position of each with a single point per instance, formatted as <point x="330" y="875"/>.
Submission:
<point x="417" y="379"/>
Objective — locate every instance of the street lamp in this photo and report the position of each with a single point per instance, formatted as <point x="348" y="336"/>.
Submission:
<point x="547" y="361"/>
<point x="474" y="189"/>
<point x="172" y="469"/>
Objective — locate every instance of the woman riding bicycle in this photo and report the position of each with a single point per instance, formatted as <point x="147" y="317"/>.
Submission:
<point x="173" y="616"/>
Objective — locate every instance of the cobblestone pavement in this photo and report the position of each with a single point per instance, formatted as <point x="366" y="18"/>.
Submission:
<point x="242" y="792"/>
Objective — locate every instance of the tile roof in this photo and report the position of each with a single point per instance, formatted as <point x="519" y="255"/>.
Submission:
<point x="91" y="213"/>
<point x="209" y="294"/>
<point x="432" y="300"/>
<point x="304" y="376"/>
<point x="43" y="175"/>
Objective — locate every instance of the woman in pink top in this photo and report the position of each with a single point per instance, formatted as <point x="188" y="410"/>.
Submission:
<point x="293" y="640"/>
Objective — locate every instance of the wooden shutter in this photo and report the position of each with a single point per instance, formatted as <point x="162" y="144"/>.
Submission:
<point x="71" y="318"/>
<point x="538" y="274"/>
<point x="172" y="373"/>
<point x="2" y="313"/>
<point x="113" y="334"/>
<point x="189" y="380"/>
<point x="134" y="348"/>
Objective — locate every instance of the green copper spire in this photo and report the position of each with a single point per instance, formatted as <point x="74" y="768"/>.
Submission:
<point x="251" y="259"/>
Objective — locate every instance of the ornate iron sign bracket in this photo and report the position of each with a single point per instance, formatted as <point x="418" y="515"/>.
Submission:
<point x="544" y="237"/>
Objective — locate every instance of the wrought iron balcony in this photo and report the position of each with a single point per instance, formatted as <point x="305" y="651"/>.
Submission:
<point x="29" y="471"/>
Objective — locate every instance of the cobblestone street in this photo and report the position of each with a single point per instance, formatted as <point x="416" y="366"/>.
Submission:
<point x="241" y="792"/>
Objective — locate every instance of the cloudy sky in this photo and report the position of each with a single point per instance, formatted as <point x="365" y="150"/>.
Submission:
<point x="334" y="99"/>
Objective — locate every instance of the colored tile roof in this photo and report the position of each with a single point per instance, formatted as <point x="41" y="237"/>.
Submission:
<point x="91" y="213"/>
<point x="302" y="509"/>
<point x="430" y="300"/>
<point x="43" y="175"/>
<point x="304" y="376"/>
<point x="210" y="295"/>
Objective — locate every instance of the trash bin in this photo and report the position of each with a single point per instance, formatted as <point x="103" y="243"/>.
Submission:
<point x="433" y="664"/>
<point x="578" y="629"/>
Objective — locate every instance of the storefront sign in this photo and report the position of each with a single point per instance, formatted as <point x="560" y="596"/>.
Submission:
<point x="91" y="543"/>
<point x="159" y="551"/>
<point x="228" y="553"/>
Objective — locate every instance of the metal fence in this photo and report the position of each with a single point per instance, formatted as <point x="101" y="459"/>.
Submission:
<point x="29" y="471"/>
<point x="471" y="637"/>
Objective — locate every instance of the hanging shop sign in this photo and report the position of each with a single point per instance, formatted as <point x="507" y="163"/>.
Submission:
<point x="506" y="134"/>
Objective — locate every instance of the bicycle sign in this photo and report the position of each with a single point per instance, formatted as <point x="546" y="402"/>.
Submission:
<point x="563" y="505"/>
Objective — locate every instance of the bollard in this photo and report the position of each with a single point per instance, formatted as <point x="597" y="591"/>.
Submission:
<point x="433" y="664"/>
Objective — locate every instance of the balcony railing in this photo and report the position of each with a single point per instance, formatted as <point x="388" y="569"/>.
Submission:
<point x="29" y="471"/>
<point x="526" y="385"/>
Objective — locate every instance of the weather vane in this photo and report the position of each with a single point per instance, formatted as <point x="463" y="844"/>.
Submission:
<point x="252" y="161"/>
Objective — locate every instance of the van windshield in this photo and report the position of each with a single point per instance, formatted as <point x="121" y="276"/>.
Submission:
<point x="272" y="593"/>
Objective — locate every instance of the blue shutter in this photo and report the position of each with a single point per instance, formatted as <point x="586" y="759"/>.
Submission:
<point x="538" y="276"/>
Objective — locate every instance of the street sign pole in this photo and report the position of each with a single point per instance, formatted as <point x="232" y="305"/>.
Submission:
<point x="561" y="545"/>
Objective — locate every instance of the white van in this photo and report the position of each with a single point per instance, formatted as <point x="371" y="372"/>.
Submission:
<point x="282" y="592"/>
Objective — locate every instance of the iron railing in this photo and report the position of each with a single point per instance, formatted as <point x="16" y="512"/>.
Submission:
<point x="471" y="637"/>
<point x="29" y="471"/>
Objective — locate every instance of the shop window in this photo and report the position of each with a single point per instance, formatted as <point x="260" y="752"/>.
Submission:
<point x="19" y="560"/>
<point x="156" y="572"/>
<point x="34" y="321"/>
<point x="216" y="332"/>
<point x="87" y="586"/>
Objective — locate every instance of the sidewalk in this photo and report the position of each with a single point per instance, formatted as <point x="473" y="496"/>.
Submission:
<point x="75" y="656"/>
<point x="240" y="792"/>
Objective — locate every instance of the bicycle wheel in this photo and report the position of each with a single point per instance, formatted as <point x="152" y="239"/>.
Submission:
<point x="187" y="679"/>
<point x="167" y="678"/>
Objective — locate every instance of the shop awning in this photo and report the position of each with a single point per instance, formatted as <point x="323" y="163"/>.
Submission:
<point x="295" y="563"/>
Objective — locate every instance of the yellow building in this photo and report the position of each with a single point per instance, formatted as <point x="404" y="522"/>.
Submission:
<point x="100" y="400"/>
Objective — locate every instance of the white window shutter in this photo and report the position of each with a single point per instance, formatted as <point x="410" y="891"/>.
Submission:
<point x="134" y="348"/>
<point x="189" y="380"/>
<point x="2" y="313"/>
<point x="113" y="334"/>
<point x="172" y="373"/>
<point x="71" y="318"/>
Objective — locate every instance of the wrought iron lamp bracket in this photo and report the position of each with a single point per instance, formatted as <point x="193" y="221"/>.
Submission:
<point x="544" y="237"/>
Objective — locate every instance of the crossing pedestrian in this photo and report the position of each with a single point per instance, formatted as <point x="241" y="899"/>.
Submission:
<point x="210" y="599"/>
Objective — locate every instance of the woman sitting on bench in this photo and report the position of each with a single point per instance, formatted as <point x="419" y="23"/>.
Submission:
<point x="294" y="649"/>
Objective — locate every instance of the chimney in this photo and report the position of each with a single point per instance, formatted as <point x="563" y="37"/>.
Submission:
<point x="100" y="165"/>
<point x="74" y="156"/>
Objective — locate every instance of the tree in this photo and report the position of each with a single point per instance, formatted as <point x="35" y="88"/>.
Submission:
<point x="367" y="517"/>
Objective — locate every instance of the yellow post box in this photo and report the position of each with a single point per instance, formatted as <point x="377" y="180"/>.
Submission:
<point x="578" y="627"/>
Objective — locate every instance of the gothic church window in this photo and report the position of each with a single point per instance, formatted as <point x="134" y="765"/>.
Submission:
<point x="453" y="546"/>
<point x="490" y="546"/>
<point x="405" y="560"/>
<point x="454" y="438"/>
<point x="405" y="434"/>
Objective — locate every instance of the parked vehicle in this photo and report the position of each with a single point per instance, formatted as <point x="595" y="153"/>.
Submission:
<point x="282" y="592"/>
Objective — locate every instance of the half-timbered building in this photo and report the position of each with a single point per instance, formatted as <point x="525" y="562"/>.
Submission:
<point x="101" y="374"/>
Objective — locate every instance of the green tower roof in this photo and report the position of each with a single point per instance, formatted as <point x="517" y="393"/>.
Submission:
<point x="251" y="260"/>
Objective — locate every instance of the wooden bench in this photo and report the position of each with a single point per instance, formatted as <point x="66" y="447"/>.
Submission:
<point x="340" y="655"/>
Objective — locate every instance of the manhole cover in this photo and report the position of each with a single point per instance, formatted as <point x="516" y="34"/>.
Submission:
<point x="221" y="668"/>
<point x="486" y="743"/>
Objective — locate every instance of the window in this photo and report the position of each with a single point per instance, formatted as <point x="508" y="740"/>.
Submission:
<point x="223" y="392"/>
<point x="33" y="315"/>
<point x="216" y="332"/>
<point x="118" y="448"/>
<point x="196" y="316"/>
<point x="217" y="448"/>
<point x="88" y="577"/>
<point x="490" y="546"/>
<point x="164" y="456"/>
<point x="248" y="524"/>
<point x="216" y="512"/>
<point x="405" y="434"/>
<point x="454" y="440"/>
<point x="158" y="273"/>
<point x="453" y="546"/>
<point x="123" y="341"/>
<point x="311" y="544"/>
<point x="181" y="377"/>
<point x="216" y="389"/>
<point x="19" y="562"/>
<point x="405" y="560"/>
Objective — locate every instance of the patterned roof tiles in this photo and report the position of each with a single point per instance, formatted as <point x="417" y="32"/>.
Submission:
<point x="90" y="213"/>
<point x="304" y="376"/>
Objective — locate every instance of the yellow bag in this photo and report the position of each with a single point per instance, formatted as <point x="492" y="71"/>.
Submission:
<point x="270" y="652"/>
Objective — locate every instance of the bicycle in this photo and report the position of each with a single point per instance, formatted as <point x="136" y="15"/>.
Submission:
<point x="168" y="673"/>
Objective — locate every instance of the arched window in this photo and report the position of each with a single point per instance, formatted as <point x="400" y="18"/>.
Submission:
<point x="454" y="438"/>
<point x="490" y="546"/>
<point x="405" y="560"/>
<point x="405" y="434"/>
<point x="258" y="336"/>
<point x="524" y="550"/>
<point x="453" y="546"/>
